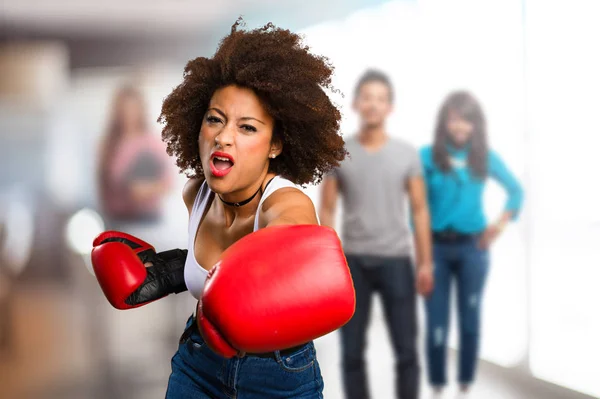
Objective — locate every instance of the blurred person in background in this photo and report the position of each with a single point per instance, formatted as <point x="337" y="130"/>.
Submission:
<point x="247" y="126"/>
<point x="457" y="166"/>
<point x="5" y="322"/>
<point x="134" y="170"/>
<point x="375" y="182"/>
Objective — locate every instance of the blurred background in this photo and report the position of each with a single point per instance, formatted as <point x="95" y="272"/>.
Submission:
<point x="82" y="83"/>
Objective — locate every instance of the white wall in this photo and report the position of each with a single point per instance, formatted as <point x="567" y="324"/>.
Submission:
<point x="563" y="65"/>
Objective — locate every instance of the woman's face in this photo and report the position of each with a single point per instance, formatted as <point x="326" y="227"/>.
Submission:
<point x="235" y="141"/>
<point x="459" y="129"/>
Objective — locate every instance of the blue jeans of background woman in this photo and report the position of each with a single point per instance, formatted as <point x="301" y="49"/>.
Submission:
<point x="456" y="258"/>
<point x="199" y="373"/>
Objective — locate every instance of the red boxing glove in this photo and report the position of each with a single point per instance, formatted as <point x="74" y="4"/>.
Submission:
<point x="276" y="288"/>
<point x="119" y="264"/>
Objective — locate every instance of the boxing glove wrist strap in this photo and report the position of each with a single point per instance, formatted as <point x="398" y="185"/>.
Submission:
<point x="165" y="276"/>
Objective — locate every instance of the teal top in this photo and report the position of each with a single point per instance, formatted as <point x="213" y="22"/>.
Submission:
<point x="456" y="197"/>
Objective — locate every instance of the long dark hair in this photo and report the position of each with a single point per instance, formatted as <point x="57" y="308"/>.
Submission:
<point x="467" y="107"/>
<point x="114" y="132"/>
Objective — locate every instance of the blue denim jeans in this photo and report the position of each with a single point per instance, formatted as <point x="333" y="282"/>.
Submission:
<point x="199" y="373"/>
<point x="466" y="264"/>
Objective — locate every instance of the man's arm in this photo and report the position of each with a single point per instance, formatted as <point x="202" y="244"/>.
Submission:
<point x="420" y="212"/>
<point x="327" y="207"/>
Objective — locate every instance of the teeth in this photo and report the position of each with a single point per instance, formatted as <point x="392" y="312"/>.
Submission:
<point x="223" y="159"/>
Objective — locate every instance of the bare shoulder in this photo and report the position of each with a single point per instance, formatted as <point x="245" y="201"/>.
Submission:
<point x="190" y="191"/>
<point x="288" y="197"/>
<point x="288" y="206"/>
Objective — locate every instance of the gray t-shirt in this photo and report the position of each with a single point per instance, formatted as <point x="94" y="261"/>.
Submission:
<point x="375" y="217"/>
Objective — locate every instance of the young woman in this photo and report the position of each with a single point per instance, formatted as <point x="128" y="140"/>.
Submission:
<point x="133" y="170"/>
<point x="457" y="166"/>
<point x="247" y="125"/>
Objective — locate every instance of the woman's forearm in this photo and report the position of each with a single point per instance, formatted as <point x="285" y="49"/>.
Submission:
<point x="504" y="219"/>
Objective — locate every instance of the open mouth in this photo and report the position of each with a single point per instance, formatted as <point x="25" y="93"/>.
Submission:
<point x="221" y="164"/>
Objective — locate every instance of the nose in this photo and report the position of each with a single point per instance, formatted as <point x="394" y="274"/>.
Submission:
<point x="226" y="136"/>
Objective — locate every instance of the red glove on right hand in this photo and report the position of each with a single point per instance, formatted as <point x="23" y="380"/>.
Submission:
<point x="276" y="288"/>
<point x="119" y="264"/>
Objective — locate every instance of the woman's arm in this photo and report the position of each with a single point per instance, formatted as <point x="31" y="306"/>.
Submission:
<point x="296" y="283"/>
<point x="329" y="196"/>
<point x="500" y="172"/>
<point x="287" y="206"/>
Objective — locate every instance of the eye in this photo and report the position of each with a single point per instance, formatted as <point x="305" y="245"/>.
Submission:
<point x="249" y="128"/>
<point x="213" y="119"/>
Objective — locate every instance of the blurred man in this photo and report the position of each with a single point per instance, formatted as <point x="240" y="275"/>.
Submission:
<point x="374" y="183"/>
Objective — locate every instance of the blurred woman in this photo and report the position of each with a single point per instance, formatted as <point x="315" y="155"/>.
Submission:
<point x="133" y="166"/>
<point x="457" y="167"/>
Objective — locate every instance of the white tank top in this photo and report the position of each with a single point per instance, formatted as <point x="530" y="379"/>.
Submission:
<point x="195" y="275"/>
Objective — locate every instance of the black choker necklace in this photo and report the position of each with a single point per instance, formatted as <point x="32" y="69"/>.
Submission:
<point x="244" y="202"/>
<point x="241" y="203"/>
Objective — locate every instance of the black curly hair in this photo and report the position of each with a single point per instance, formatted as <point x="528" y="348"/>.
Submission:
<point x="289" y="81"/>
